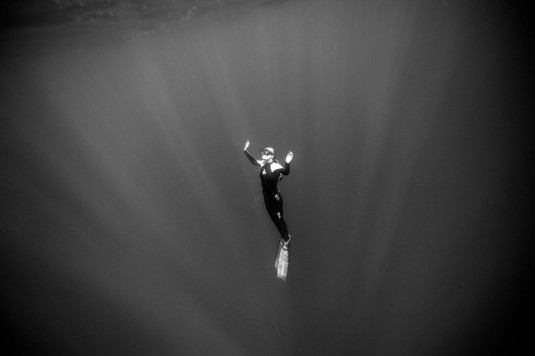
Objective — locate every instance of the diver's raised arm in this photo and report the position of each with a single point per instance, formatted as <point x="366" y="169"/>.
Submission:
<point x="286" y="169"/>
<point x="249" y="156"/>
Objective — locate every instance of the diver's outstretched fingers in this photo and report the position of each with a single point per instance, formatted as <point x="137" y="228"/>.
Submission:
<point x="289" y="157"/>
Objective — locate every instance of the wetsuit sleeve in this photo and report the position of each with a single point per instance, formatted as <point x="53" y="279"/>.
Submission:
<point x="251" y="158"/>
<point x="286" y="169"/>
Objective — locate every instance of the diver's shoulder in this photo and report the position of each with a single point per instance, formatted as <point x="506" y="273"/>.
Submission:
<point x="275" y="166"/>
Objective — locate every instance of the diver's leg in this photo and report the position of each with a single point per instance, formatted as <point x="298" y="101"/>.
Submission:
<point x="274" y="208"/>
<point x="279" y="218"/>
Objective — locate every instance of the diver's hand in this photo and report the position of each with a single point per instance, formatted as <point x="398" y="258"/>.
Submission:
<point x="246" y="145"/>
<point x="289" y="157"/>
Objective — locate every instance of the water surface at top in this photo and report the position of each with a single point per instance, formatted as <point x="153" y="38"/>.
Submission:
<point x="68" y="24"/>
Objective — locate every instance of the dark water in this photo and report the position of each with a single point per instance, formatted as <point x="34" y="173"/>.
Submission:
<point x="129" y="222"/>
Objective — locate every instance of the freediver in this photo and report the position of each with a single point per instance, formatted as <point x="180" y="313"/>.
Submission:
<point x="270" y="173"/>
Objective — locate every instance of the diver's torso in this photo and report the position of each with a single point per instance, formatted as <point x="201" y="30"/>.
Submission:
<point x="269" y="176"/>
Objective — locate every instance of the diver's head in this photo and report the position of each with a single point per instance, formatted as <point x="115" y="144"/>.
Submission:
<point x="267" y="153"/>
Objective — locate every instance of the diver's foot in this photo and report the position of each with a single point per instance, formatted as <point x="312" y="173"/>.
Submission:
<point x="285" y="243"/>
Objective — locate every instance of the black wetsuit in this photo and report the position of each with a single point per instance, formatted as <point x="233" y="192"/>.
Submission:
<point x="272" y="196"/>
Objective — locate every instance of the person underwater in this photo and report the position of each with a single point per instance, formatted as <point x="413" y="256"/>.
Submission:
<point x="271" y="172"/>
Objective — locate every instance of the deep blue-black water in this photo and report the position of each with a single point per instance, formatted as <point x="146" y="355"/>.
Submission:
<point x="132" y="223"/>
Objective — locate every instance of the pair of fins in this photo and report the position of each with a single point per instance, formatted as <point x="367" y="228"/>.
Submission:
<point x="282" y="260"/>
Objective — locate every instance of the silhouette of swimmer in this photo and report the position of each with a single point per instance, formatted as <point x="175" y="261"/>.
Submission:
<point x="270" y="173"/>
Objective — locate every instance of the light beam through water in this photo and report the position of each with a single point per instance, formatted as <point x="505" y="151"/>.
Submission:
<point x="128" y="216"/>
